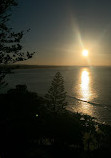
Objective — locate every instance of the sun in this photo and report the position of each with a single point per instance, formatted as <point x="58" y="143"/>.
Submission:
<point x="85" y="52"/>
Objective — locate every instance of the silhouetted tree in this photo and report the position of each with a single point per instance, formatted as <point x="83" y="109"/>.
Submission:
<point x="56" y="96"/>
<point x="10" y="41"/>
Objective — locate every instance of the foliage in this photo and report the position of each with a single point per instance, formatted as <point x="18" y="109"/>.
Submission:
<point x="10" y="47"/>
<point x="2" y="81"/>
<point x="56" y="95"/>
<point x="10" y="41"/>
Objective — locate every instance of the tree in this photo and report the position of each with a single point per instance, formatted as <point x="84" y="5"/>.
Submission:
<point x="10" y="41"/>
<point x="56" y="96"/>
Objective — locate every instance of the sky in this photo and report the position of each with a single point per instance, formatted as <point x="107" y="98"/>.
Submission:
<point x="62" y="29"/>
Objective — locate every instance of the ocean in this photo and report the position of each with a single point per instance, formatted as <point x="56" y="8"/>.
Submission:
<point x="88" y="88"/>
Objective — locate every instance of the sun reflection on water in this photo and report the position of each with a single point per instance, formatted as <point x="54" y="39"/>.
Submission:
<point x="85" y="85"/>
<point x="85" y="93"/>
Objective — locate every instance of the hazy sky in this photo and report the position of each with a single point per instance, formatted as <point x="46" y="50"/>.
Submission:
<point x="61" y="29"/>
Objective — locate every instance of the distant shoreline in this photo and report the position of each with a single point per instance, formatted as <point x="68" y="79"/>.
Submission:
<point x="14" y="66"/>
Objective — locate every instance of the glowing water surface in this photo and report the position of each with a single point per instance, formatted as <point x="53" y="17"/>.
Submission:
<point x="85" y="87"/>
<point x="88" y="88"/>
<point x="85" y="93"/>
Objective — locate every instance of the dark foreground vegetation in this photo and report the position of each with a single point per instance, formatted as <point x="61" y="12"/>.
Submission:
<point x="28" y="128"/>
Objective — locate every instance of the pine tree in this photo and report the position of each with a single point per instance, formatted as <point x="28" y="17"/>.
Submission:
<point x="56" y="96"/>
<point x="10" y="41"/>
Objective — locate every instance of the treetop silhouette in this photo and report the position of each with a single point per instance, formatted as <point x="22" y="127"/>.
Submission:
<point x="10" y="41"/>
<point x="56" y="96"/>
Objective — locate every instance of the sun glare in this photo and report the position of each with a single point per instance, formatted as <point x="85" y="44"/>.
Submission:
<point x="85" y="52"/>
